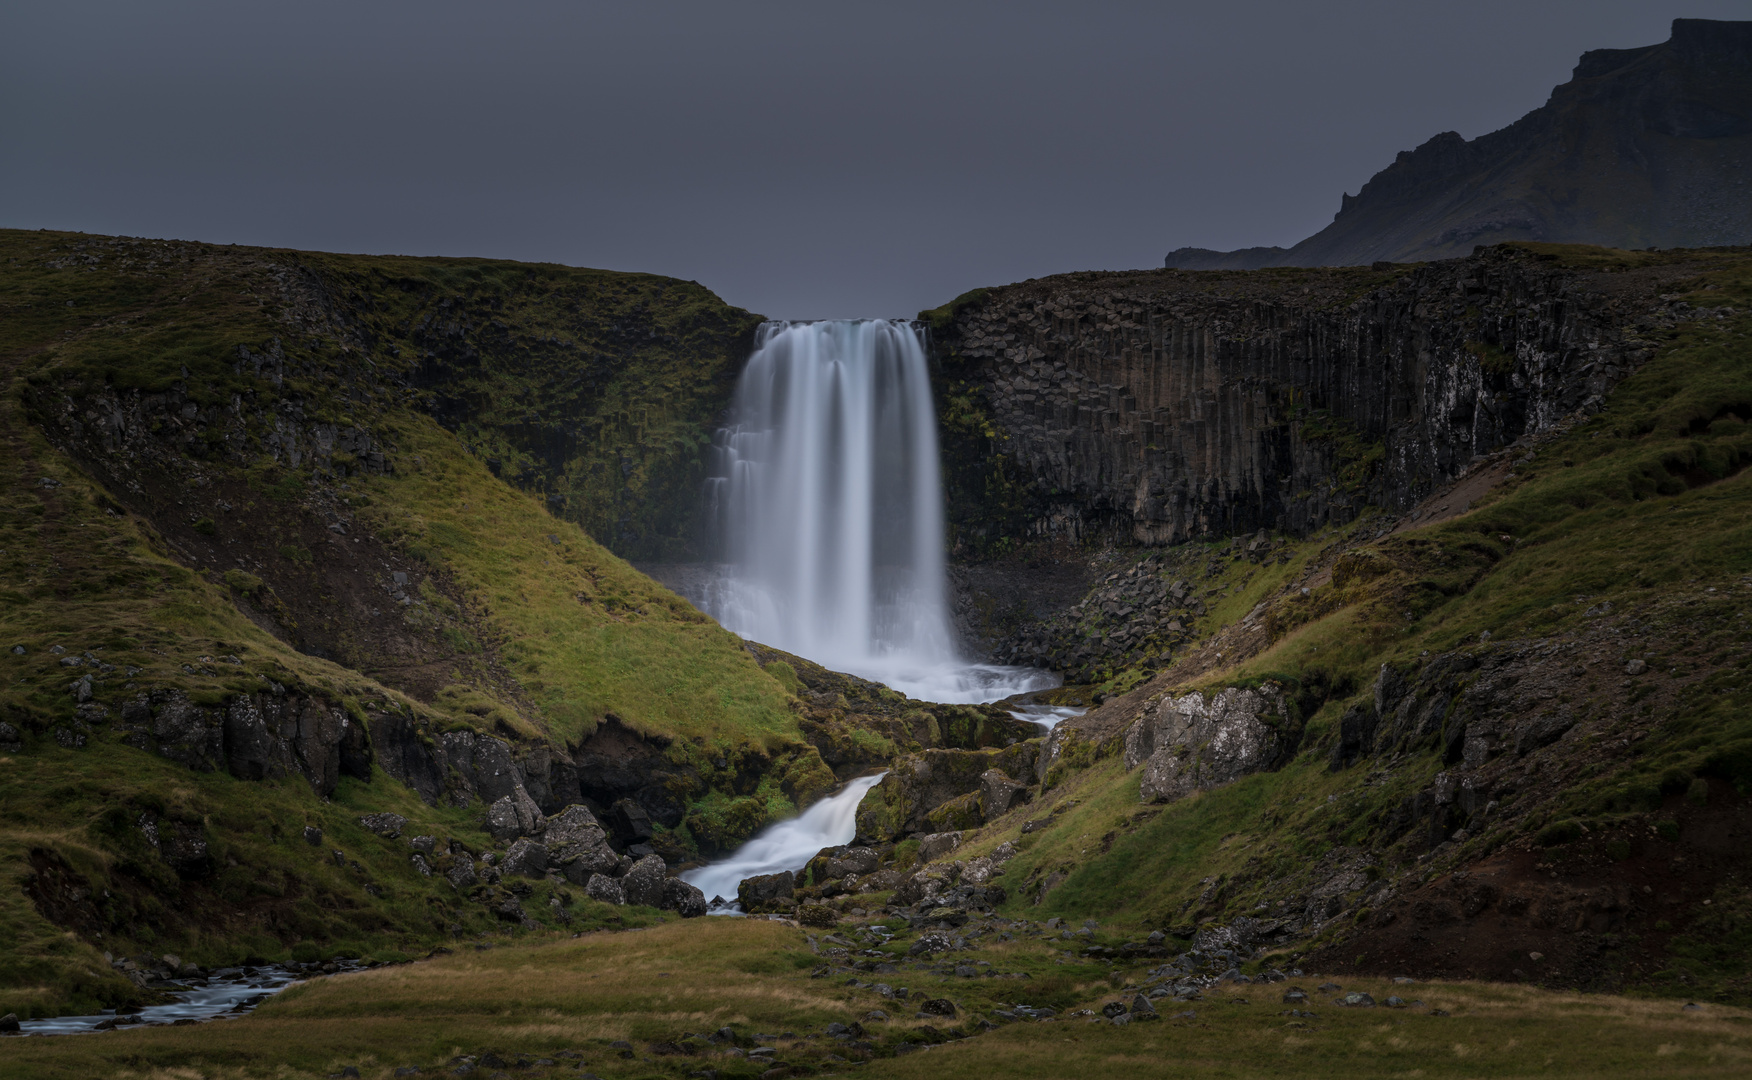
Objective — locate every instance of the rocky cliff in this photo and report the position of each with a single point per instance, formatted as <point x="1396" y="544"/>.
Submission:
<point x="1642" y="147"/>
<point x="1160" y="406"/>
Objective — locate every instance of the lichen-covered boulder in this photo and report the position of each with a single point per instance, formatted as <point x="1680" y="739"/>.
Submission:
<point x="682" y="898"/>
<point x="644" y="882"/>
<point x="515" y="815"/>
<point x="1192" y="743"/>
<point x="526" y="857"/>
<point x="606" y="889"/>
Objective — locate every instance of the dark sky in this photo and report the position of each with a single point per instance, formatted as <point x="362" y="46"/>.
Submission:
<point x="803" y="160"/>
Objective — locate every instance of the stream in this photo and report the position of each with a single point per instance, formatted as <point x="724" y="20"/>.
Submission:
<point x="224" y="993"/>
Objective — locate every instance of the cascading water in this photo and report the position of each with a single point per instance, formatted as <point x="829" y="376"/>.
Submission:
<point x="829" y="504"/>
<point x="789" y="845"/>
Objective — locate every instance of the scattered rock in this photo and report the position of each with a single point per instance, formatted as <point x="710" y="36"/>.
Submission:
<point x="937" y="845"/>
<point x="462" y="875"/>
<point x="998" y="793"/>
<point x="514" y="815"/>
<point x="756" y="892"/>
<point x="1190" y="744"/>
<point x="388" y="826"/>
<point x="604" y="888"/>
<point x="525" y="857"/>
<point x="683" y="899"/>
<point x="313" y="836"/>
<point x="644" y="882"/>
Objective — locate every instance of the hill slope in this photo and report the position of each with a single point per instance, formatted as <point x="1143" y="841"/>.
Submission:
<point x="258" y="577"/>
<point x="1644" y="147"/>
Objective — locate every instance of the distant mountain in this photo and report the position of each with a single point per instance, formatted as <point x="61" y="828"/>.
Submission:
<point x="1648" y="147"/>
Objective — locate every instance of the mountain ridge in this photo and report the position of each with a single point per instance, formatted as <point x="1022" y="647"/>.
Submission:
<point x="1644" y="147"/>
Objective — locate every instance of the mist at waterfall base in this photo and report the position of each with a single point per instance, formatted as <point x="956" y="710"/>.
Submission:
<point x="830" y="512"/>
<point x="789" y="845"/>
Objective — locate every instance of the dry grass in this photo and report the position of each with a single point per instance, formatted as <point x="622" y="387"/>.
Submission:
<point x="654" y="985"/>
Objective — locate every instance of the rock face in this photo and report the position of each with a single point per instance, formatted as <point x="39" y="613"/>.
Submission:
<point x="1190" y="744"/>
<point x="254" y="737"/>
<point x="1157" y="407"/>
<point x="940" y="789"/>
<point x="1641" y="147"/>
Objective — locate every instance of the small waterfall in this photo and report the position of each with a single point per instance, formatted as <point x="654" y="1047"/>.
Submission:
<point x="830" y="509"/>
<point x="789" y="845"/>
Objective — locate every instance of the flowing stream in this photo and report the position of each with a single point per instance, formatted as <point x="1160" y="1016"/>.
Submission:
<point x="788" y="845"/>
<point x="222" y="993"/>
<point x="831" y="513"/>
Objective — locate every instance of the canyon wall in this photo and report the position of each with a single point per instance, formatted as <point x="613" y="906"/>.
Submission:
<point x="1155" y="407"/>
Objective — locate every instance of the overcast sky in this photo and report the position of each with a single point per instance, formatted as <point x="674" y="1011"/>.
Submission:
<point x="803" y="160"/>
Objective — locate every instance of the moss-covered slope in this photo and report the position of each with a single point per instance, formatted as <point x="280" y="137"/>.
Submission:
<point x="1518" y="715"/>
<point x="249" y="583"/>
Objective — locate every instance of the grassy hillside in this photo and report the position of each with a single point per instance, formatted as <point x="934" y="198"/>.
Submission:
<point x="1627" y="536"/>
<point x="219" y="481"/>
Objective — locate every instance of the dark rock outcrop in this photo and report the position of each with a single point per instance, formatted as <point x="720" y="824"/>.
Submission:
<point x="1642" y="147"/>
<point x="254" y="737"/>
<point x="1155" y="407"/>
<point x="919" y="785"/>
<point x="762" y="890"/>
<point x="1192" y="743"/>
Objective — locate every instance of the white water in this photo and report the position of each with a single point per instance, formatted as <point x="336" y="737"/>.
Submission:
<point x="828" y="499"/>
<point x="789" y="845"/>
<point x="225" y="994"/>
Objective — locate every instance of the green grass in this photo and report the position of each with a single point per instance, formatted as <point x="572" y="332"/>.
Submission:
<point x="584" y="632"/>
<point x="1644" y="505"/>
<point x="580" y="633"/>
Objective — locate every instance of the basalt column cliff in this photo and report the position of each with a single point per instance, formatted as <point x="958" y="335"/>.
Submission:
<point x="1160" y="406"/>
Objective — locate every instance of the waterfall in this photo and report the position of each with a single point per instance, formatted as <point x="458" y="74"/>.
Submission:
<point x="830" y="510"/>
<point x="788" y="845"/>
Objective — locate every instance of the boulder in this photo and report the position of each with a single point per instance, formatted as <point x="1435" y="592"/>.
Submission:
<point x="526" y="857"/>
<point x="1190" y="744"/>
<point x="578" y="845"/>
<point x="388" y="826"/>
<point x="758" y="891"/>
<point x="854" y="860"/>
<point x="606" y="889"/>
<point x="682" y="898"/>
<point x="644" y="882"/>
<point x="998" y="793"/>
<point x="462" y="875"/>
<point x="515" y="815"/>
<point x="937" y="845"/>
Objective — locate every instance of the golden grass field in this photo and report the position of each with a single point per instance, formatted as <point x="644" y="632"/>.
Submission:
<point x="654" y="986"/>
